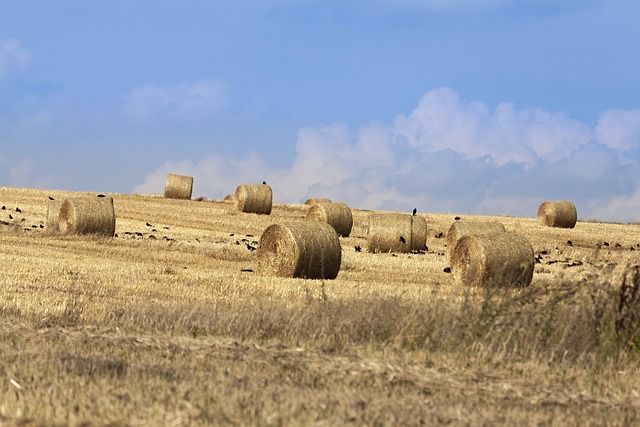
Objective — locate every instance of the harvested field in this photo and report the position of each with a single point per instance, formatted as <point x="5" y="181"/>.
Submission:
<point x="169" y="322"/>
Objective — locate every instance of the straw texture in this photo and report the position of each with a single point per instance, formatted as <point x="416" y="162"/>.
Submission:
<point x="503" y="259"/>
<point x="463" y="228"/>
<point x="87" y="215"/>
<point x="305" y="249"/>
<point x="178" y="187"/>
<point x="560" y="213"/>
<point x="254" y="198"/>
<point x="396" y="232"/>
<point x="338" y="215"/>
<point x="315" y="200"/>
<point x="53" y="214"/>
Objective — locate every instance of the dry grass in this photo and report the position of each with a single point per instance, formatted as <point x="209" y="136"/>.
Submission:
<point x="169" y="324"/>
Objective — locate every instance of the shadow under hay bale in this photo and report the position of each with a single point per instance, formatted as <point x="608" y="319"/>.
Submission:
<point x="53" y="216"/>
<point x="254" y="198"/>
<point x="396" y="232"/>
<point x="503" y="259"/>
<point x="464" y="228"/>
<point x="87" y="215"/>
<point x="306" y="249"/>
<point x="178" y="187"/>
<point x="338" y="215"/>
<point x="559" y="213"/>
<point x="315" y="200"/>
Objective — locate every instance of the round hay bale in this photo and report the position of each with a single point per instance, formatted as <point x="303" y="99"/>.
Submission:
<point x="254" y="198"/>
<point x="464" y="228"/>
<point x="178" y="187"/>
<point x="53" y="214"/>
<point x="87" y="215"/>
<point x="305" y="249"/>
<point x="560" y="213"/>
<point x="338" y="215"/>
<point x="503" y="259"/>
<point x="315" y="200"/>
<point x="396" y="232"/>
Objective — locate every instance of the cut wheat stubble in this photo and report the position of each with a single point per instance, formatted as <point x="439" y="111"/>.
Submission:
<point x="87" y="215"/>
<point x="504" y="259"/>
<point x="178" y="187"/>
<point x="396" y="232"/>
<point x="305" y="249"/>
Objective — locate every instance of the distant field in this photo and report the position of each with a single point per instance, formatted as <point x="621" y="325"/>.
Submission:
<point x="170" y="323"/>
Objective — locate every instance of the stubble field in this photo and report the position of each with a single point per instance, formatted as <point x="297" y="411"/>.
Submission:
<point x="170" y="323"/>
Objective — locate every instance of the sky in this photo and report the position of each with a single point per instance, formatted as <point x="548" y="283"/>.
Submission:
<point x="449" y="106"/>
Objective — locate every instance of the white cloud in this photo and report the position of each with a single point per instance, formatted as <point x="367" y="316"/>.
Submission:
<point x="12" y="55"/>
<point x="197" y="100"/>
<point x="445" y="156"/>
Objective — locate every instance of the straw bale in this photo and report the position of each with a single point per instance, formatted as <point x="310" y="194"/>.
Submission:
<point x="559" y="213"/>
<point x="503" y="259"/>
<point x="396" y="232"/>
<point x="53" y="214"/>
<point x="315" y="200"/>
<point x="305" y="249"/>
<point x="463" y="228"/>
<point x="87" y="215"/>
<point x="254" y="198"/>
<point x="178" y="187"/>
<point x="338" y="215"/>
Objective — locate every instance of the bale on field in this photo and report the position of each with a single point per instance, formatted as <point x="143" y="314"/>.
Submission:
<point x="305" y="249"/>
<point x="53" y="214"/>
<point x="87" y="215"/>
<point x="315" y="200"/>
<point x="503" y="259"/>
<point x="397" y="232"/>
<point x="254" y="198"/>
<point x="178" y="187"/>
<point x="560" y="213"/>
<point x="464" y="228"/>
<point x="338" y="215"/>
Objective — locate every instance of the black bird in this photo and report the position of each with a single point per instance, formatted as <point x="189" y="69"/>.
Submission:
<point x="18" y="210"/>
<point x="447" y="270"/>
<point x="51" y="198"/>
<point x="357" y="248"/>
<point x="10" y="216"/>
<point x="569" y="243"/>
<point x="402" y="239"/>
<point x="457" y="218"/>
<point x="4" y="208"/>
<point x="251" y="248"/>
<point x="415" y="211"/>
<point x="264" y="182"/>
<point x="100" y="195"/>
<point x="149" y="225"/>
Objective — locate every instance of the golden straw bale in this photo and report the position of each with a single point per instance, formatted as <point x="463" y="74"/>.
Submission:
<point x="464" y="228"/>
<point x="396" y="232"/>
<point x="53" y="214"/>
<point x="87" y="215"/>
<point x="503" y="259"/>
<point x="178" y="187"/>
<point x="314" y="200"/>
<point x="559" y="213"/>
<point x="305" y="249"/>
<point x="338" y="215"/>
<point x="254" y="198"/>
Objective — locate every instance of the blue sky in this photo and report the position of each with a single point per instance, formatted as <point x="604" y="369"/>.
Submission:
<point x="465" y="106"/>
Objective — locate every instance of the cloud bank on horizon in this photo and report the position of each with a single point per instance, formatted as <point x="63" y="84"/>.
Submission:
<point x="380" y="104"/>
<point x="447" y="155"/>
